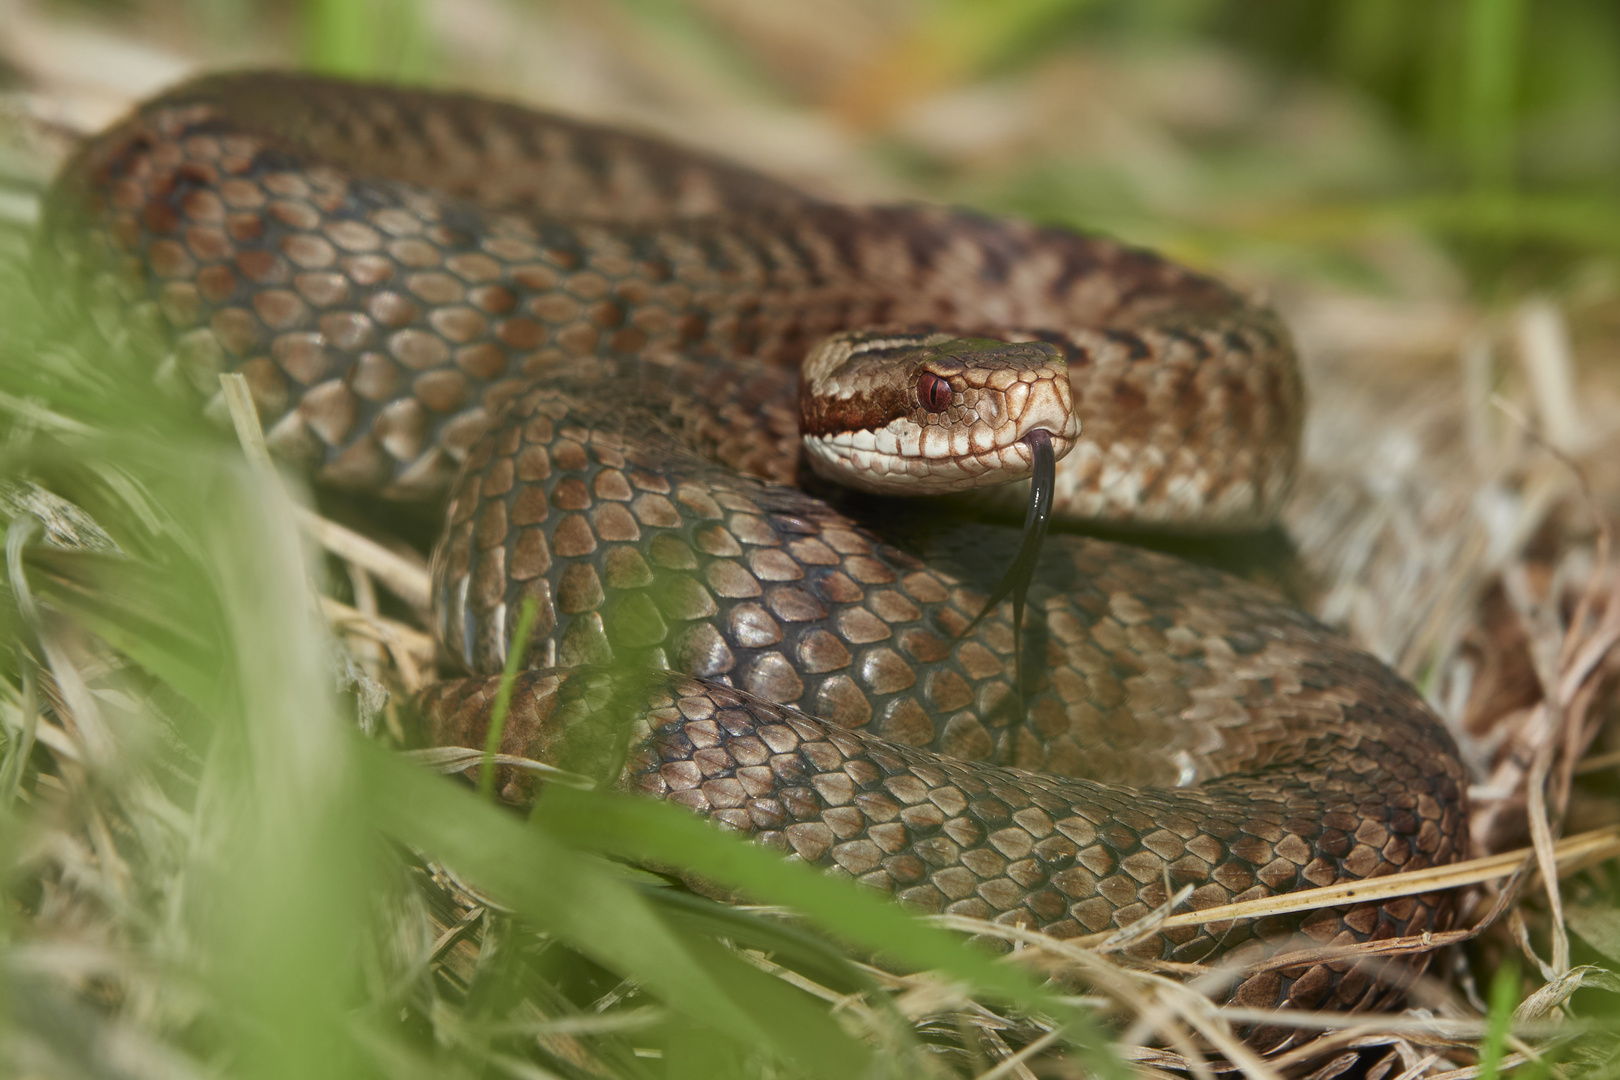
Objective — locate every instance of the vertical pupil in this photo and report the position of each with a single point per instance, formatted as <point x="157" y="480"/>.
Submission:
<point x="936" y="392"/>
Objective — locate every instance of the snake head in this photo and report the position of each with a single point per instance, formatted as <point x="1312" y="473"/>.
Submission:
<point x="926" y="413"/>
<point x="920" y="413"/>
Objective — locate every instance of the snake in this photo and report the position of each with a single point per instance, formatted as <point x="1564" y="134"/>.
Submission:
<point x="595" y="347"/>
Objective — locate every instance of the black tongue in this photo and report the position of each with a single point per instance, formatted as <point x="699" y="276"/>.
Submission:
<point x="1042" y="483"/>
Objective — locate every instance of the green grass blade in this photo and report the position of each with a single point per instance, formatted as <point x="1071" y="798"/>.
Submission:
<point x="1504" y="996"/>
<point x="336" y="37"/>
<point x="1494" y="29"/>
<point x="646" y="831"/>
<point x="590" y="905"/>
<point x="367" y="39"/>
<point x="515" y="653"/>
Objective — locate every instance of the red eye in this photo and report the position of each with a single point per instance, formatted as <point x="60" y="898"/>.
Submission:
<point x="934" y="392"/>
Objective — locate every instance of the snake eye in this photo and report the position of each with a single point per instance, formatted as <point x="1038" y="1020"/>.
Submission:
<point x="934" y="392"/>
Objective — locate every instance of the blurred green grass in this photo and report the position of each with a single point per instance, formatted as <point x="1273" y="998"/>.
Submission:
<point x="380" y="38"/>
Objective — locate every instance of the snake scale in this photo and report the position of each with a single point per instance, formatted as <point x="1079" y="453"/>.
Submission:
<point x="394" y="270"/>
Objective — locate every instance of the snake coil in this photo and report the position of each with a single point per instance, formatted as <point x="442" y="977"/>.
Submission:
<point x="392" y="270"/>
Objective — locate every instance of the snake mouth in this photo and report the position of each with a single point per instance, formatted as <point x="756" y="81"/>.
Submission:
<point x="906" y="457"/>
<point x="882" y="463"/>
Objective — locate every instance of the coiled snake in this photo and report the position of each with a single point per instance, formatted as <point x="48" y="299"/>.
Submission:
<point x="391" y="269"/>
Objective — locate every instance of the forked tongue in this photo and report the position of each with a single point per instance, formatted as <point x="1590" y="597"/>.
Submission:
<point x="1042" y="481"/>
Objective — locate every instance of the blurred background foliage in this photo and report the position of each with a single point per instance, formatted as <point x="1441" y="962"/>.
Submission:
<point x="1447" y="157"/>
<point x="1493" y="125"/>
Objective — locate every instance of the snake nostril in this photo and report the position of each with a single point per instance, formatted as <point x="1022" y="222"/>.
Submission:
<point x="934" y="392"/>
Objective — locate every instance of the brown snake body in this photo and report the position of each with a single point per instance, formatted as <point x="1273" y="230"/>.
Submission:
<point x="391" y="269"/>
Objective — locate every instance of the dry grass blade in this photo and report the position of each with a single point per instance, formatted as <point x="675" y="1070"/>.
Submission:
<point x="245" y="419"/>
<point x="1148" y="925"/>
<point x="406" y="578"/>
<point x="411" y="649"/>
<point x="1161" y="1005"/>
<point x="1453" y="1030"/>
<point x="1509" y="1062"/>
<point x="1015" y="1064"/>
<point x="1597" y="763"/>
<point x="456" y="759"/>
<point x="1574" y="852"/>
